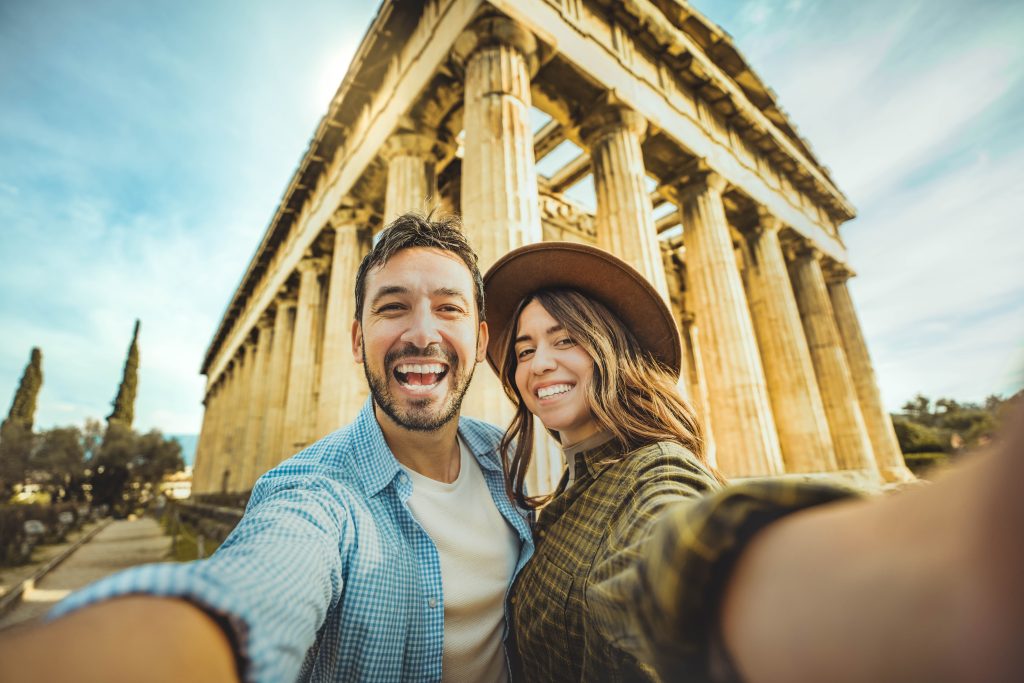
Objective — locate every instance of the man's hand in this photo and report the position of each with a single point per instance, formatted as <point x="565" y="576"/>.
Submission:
<point x="135" y="638"/>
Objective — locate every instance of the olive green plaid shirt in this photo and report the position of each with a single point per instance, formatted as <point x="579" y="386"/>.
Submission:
<point x="630" y="564"/>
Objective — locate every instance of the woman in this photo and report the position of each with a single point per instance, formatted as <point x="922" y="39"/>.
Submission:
<point x="581" y="340"/>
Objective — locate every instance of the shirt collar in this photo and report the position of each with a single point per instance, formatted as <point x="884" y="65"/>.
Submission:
<point x="376" y="464"/>
<point x="582" y="456"/>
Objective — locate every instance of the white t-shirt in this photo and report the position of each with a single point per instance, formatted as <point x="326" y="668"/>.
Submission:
<point x="478" y="551"/>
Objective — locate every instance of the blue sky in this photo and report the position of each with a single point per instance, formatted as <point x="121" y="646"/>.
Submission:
<point x="144" y="147"/>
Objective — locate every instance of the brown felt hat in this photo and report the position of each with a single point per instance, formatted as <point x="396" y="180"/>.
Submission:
<point x="592" y="271"/>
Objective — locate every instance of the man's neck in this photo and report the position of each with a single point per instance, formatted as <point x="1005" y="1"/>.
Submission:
<point x="433" y="454"/>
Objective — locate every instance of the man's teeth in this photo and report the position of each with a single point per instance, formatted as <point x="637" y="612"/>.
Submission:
<point x="544" y="392"/>
<point x="422" y="369"/>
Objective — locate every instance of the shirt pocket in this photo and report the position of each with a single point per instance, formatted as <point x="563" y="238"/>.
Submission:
<point x="542" y="621"/>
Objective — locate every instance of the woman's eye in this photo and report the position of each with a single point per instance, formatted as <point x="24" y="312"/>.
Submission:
<point x="565" y="341"/>
<point x="523" y="353"/>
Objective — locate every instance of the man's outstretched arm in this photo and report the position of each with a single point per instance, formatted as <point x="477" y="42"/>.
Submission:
<point x="134" y="638"/>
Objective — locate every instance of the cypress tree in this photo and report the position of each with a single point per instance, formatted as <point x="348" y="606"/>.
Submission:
<point x="16" y="430"/>
<point x="124" y="403"/>
<point x="23" y="409"/>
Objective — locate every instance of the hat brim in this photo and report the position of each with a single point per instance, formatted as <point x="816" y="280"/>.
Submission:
<point x="592" y="271"/>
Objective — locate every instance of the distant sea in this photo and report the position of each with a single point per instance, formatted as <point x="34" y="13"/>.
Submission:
<point x="188" y="446"/>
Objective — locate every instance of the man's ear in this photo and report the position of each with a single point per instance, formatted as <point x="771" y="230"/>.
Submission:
<point x="481" y="342"/>
<point x="357" y="341"/>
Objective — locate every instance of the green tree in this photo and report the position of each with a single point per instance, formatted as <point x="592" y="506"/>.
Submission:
<point x="58" y="460"/>
<point x="124" y="403"/>
<point x="16" y="429"/>
<point x="23" y="408"/>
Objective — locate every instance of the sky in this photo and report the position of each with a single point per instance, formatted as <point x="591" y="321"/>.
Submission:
<point x="145" y="146"/>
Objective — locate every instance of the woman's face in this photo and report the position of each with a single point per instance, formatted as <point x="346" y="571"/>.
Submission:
<point x="552" y="372"/>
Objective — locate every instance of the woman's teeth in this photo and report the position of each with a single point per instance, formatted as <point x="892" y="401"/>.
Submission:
<point x="544" y="392"/>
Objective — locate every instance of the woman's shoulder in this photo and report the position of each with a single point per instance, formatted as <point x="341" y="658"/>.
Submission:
<point x="666" y="455"/>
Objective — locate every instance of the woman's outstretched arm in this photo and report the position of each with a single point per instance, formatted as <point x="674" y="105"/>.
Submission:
<point x="923" y="585"/>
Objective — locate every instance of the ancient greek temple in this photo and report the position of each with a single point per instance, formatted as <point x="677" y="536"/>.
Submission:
<point x="698" y="179"/>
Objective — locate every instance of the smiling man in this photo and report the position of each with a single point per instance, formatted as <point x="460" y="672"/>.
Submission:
<point x="348" y="563"/>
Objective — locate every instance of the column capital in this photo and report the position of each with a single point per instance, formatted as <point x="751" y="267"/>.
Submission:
<point x="802" y="249"/>
<point x="767" y="221"/>
<point x="285" y="298"/>
<point x="610" y="117"/>
<point x="409" y="143"/>
<point x="350" y="217"/>
<point x="698" y="182"/>
<point x="492" y="30"/>
<point x="835" y="272"/>
<point x="266" y="320"/>
<point x="316" y="264"/>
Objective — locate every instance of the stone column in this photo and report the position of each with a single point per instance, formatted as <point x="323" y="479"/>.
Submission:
<point x="500" y="204"/>
<point x="698" y="382"/>
<point x="745" y="437"/>
<point x="674" y="291"/>
<point x="625" y="224"/>
<point x="203" y="454"/>
<point x="277" y="382"/>
<point x="244" y="407"/>
<point x="846" y="424"/>
<point x="225" y="453"/>
<point x="300" y="408"/>
<point x="411" y="177"/>
<point x="876" y="418"/>
<point x="342" y="385"/>
<point x="793" y="389"/>
<point x="212" y="448"/>
<point x="256" y="414"/>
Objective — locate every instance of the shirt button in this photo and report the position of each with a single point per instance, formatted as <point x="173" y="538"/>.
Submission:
<point x="432" y="603"/>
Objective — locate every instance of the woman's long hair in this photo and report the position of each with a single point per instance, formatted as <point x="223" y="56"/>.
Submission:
<point x="631" y="394"/>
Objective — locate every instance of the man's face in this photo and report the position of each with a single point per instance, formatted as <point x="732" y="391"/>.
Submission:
<point x="420" y="337"/>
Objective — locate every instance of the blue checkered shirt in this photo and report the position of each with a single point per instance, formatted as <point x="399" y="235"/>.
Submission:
<point x="328" y="576"/>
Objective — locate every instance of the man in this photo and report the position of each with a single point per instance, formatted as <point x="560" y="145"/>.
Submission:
<point x="380" y="553"/>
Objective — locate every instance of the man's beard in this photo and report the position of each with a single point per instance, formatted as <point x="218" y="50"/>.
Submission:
<point x="419" y="416"/>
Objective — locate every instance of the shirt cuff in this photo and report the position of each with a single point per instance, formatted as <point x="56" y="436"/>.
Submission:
<point x="694" y="550"/>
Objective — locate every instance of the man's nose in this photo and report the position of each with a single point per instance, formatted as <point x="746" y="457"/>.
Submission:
<point x="423" y="328"/>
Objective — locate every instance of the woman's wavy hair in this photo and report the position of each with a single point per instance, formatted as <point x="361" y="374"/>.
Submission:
<point x="631" y="394"/>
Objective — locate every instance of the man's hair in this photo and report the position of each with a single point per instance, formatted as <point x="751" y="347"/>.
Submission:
<point x="631" y="394"/>
<point x="416" y="230"/>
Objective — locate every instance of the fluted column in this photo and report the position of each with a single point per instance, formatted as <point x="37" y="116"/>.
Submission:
<point x="745" y="436"/>
<point x="300" y="408"/>
<point x="796" y="401"/>
<point x="256" y="404"/>
<point x="277" y="383"/>
<point x="225" y="453"/>
<point x="500" y="205"/>
<point x="625" y="224"/>
<point x="203" y="455"/>
<point x="342" y="385"/>
<point x="243" y="408"/>
<point x="884" y="444"/>
<point x="411" y="183"/>
<point x="212" y="450"/>
<point x="698" y="382"/>
<point x="846" y="424"/>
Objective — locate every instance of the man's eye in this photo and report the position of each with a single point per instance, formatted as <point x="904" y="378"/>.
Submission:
<point x="450" y="308"/>
<point x="386" y="308"/>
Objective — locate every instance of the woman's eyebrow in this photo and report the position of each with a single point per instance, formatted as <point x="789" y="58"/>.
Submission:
<point x="550" y="330"/>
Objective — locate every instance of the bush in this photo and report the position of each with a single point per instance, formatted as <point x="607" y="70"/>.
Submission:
<point x="16" y="546"/>
<point x="921" y="463"/>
